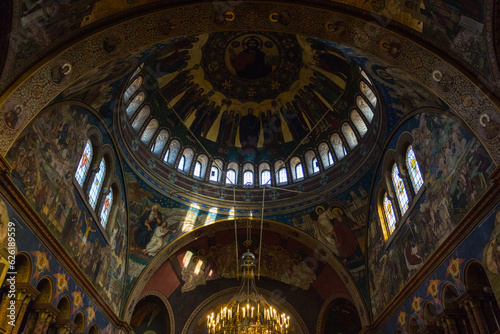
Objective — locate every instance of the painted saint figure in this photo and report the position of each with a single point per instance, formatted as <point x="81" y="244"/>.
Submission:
<point x="145" y="227"/>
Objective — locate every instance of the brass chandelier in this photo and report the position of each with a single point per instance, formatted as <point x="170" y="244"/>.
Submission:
<point x="248" y="312"/>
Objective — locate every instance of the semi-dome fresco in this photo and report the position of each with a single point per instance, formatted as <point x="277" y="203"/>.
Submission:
<point x="248" y="108"/>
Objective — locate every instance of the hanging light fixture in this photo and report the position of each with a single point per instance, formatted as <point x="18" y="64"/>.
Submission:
<point x="248" y="312"/>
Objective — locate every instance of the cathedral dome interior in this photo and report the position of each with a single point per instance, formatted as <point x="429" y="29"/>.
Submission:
<point x="149" y="149"/>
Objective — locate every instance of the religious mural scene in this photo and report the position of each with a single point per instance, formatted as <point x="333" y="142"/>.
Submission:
<point x="455" y="168"/>
<point x="43" y="169"/>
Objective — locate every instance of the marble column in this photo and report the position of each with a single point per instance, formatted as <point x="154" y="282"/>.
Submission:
<point x="465" y="305"/>
<point x="475" y="305"/>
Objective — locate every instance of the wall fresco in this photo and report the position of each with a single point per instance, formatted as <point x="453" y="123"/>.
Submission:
<point x="455" y="169"/>
<point x="44" y="265"/>
<point x="480" y="245"/>
<point x="43" y="161"/>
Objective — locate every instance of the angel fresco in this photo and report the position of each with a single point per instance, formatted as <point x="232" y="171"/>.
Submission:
<point x="145" y="227"/>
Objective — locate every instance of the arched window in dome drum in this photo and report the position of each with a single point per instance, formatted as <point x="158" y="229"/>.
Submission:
<point x="338" y="145"/>
<point x="359" y="123"/>
<point x="368" y="92"/>
<point x="247" y="178"/>
<point x="315" y="165"/>
<point x="95" y="189"/>
<point x="400" y="189"/>
<point x="349" y="135"/>
<point x="172" y="152"/>
<point x="197" y="169"/>
<point x="311" y="162"/>
<point x="231" y="176"/>
<point x="160" y="142"/>
<point x="135" y="103"/>
<point x="134" y="86"/>
<point x="390" y="216"/>
<point x="365" y="108"/>
<point x="141" y="118"/>
<point x="84" y="164"/>
<point x="299" y="172"/>
<point x="412" y="165"/>
<point x="325" y="154"/>
<point x="363" y="73"/>
<point x="149" y="132"/>
<point x="214" y="174"/>
<point x="182" y="163"/>
<point x="106" y="208"/>
<point x="265" y="174"/>
<point x="215" y="170"/>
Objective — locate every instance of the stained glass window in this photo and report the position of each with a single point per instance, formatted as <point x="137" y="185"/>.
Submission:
<point x="136" y="102"/>
<point x="282" y="177"/>
<point x="214" y="174"/>
<point x="95" y="189"/>
<point x="411" y="163"/>
<point x="324" y="153"/>
<point x="390" y="217"/>
<point x="359" y="123"/>
<point x="248" y="178"/>
<point x="84" y="164"/>
<point x="197" y="169"/>
<point x="399" y="186"/>
<point x="231" y="176"/>
<point x="141" y="118"/>
<point x="265" y="177"/>
<point x="363" y="73"/>
<point x="299" y="172"/>
<point x="160" y="142"/>
<point x="315" y="165"/>
<point x="365" y="108"/>
<point x="134" y="86"/>
<point x="149" y="131"/>
<point x="349" y="135"/>
<point x="106" y="208"/>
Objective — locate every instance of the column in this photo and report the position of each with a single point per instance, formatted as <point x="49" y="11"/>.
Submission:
<point x="26" y="297"/>
<point x="478" y="315"/>
<point x="3" y="314"/>
<point x="470" y="315"/>
<point x="47" y="323"/>
<point x="452" y="326"/>
<point x="42" y="318"/>
<point x="445" y="326"/>
<point x="490" y="314"/>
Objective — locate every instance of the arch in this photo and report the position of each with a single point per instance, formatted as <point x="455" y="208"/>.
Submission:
<point x="312" y="163"/>
<point x="358" y="122"/>
<point x="83" y="166"/>
<point x="133" y="87"/>
<point x="106" y="207"/>
<point x="475" y="278"/>
<point x="202" y="163"/>
<point x="142" y="319"/>
<point x="232" y="173"/>
<point x="248" y="174"/>
<point x="389" y="215"/>
<point x="135" y="104"/>
<point x="349" y="135"/>
<point x="399" y="187"/>
<point x="449" y="297"/>
<point x="280" y="172"/>
<point x="338" y="146"/>
<point x="297" y="169"/>
<point x="365" y="108"/>
<point x="215" y="171"/>
<point x="140" y="118"/>
<point x="338" y="315"/>
<point x="326" y="155"/>
<point x="46" y="288"/>
<point x="64" y="307"/>
<point x="185" y="160"/>
<point x="97" y="182"/>
<point x="80" y="323"/>
<point x="367" y="78"/>
<point x="416" y="178"/>
<point x="93" y="329"/>
<point x="160" y="142"/>
<point x="368" y="92"/>
<point x="430" y="314"/>
<point x="172" y="152"/>
<point x="413" y="326"/>
<point x="23" y="268"/>
<point x="149" y="131"/>
<point x="264" y="174"/>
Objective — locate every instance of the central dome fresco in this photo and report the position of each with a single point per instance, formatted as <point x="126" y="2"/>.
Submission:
<point x="248" y="102"/>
